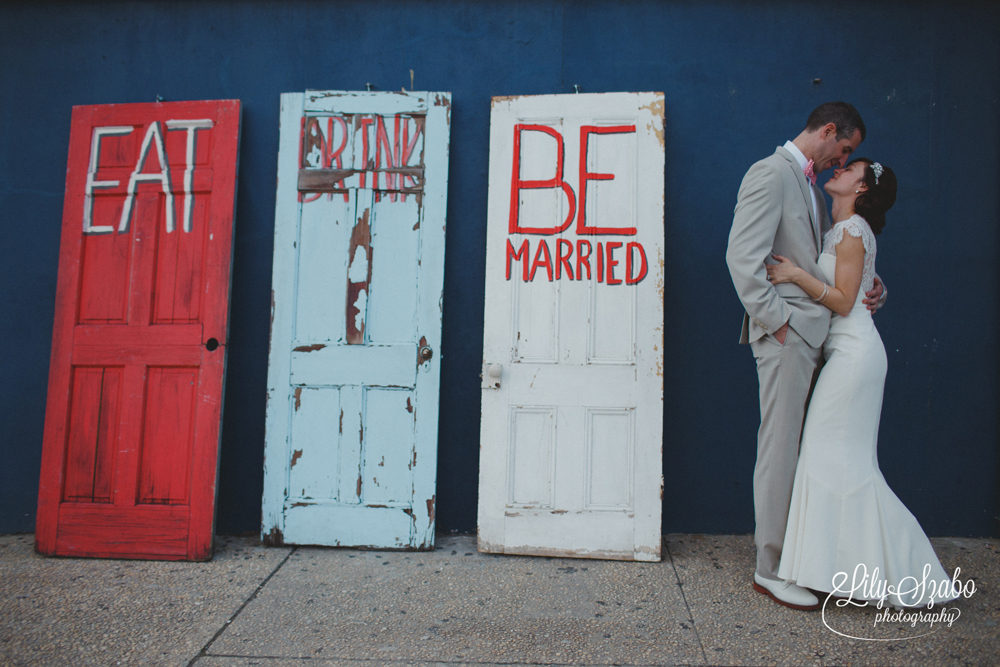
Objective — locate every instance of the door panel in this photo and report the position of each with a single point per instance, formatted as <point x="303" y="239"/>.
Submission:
<point x="358" y="272"/>
<point x="138" y="355"/>
<point x="571" y="432"/>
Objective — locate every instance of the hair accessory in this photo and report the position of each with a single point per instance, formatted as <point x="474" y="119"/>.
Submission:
<point x="877" y="168"/>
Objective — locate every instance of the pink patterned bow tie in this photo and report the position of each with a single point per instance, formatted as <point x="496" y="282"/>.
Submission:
<point x="810" y="174"/>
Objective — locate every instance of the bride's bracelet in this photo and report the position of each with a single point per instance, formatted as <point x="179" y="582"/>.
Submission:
<point x="826" y="293"/>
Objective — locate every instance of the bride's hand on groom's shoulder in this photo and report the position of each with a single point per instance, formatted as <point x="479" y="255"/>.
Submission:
<point x="782" y="272"/>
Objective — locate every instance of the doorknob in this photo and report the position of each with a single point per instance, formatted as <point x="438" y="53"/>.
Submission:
<point x="491" y="376"/>
<point x="426" y="353"/>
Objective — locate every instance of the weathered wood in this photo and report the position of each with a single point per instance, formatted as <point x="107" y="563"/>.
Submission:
<point x="350" y="456"/>
<point x="571" y="432"/>
<point x="134" y="404"/>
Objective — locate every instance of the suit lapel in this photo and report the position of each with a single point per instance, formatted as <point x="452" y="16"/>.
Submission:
<point x="804" y="186"/>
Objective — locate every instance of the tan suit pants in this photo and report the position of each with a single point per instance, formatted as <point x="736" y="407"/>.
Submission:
<point x="786" y="373"/>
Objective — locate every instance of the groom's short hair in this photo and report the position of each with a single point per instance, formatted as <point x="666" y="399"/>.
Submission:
<point x="843" y="115"/>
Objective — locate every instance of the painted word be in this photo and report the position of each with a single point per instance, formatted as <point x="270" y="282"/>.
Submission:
<point x="604" y="261"/>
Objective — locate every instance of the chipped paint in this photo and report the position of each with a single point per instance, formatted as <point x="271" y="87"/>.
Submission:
<point x="359" y="275"/>
<point x="512" y="514"/>
<point x="420" y="345"/>
<point x="309" y="348"/>
<point x="503" y="98"/>
<point x="558" y="512"/>
<point x="298" y="401"/>
<point x="300" y="504"/>
<point x="657" y="109"/>
<point x="409" y="405"/>
<point x="296" y="455"/>
<point x="274" y="538"/>
<point x="430" y="509"/>
<point x="359" y="486"/>
<point x="444" y="101"/>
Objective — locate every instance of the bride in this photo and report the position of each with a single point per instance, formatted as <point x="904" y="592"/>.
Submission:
<point x="848" y="534"/>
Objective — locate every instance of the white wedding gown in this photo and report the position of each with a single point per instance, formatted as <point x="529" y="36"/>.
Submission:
<point x="843" y="516"/>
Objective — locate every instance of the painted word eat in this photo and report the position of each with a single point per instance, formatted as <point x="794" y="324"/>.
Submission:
<point x="153" y="139"/>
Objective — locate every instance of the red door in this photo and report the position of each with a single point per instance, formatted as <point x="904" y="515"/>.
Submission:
<point x="132" y="423"/>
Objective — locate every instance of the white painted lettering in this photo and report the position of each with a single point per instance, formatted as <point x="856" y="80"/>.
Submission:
<point x="192" y="127"/>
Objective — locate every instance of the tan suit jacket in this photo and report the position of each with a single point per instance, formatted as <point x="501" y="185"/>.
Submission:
<point x="774" y="214"/>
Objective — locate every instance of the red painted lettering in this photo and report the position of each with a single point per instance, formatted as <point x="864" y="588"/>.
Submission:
<point x="522" y="254"/>
<point x="629" y="280"/>
<point x="516" y="184"/>
<point x="543" y="248"/>
<point x="581" y="224"/>
<point x="361" y="125"/>
<point x="582" y="258"/>
<point x="563" y="260"/>
<point x="612" y="262"/>
<point x="600" y="262"/>
<point x="382" y="147"/>
<point x="334" y="158"/>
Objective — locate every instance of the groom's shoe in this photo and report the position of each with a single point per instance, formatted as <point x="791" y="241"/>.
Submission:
<point x="786" y="593"/>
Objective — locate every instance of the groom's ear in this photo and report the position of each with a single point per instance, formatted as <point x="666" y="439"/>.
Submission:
<point x="829" y="130"/>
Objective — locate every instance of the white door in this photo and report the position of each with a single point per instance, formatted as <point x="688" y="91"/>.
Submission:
<point x="353" y="372"/>
<point x="570" y="460"/>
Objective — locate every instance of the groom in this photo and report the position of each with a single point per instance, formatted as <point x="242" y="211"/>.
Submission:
<point x="780" y="210"/>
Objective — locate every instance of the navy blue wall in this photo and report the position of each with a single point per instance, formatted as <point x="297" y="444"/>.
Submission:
<point x="739" y="79"/>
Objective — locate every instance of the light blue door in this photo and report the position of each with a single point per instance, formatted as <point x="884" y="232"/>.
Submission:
<point x="353" y="373"/>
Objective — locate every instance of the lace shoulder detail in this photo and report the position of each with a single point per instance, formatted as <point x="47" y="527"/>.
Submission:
<point x="856" y="226"/>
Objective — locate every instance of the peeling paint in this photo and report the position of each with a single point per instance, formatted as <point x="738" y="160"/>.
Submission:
<point x="300" y="504"/>
<point x="444" y="101"/>
<point x="309" y="348"/>
<point x="502" y="98"/>
<point x="342" y="421"/>
<point x="274" y="538"/>
<point x="558" y="512"/>
<point x="359" y="276"/>
<point x="512" y="514"/>
<point x="296" y="455"/>
<point x="359" y="486"/>
<point x="409" y="405"/>
<point x="421" y="344"/>
<point x="298" y="402"/>
<point x="657" y="109"/>
<point x="430" y="509"/>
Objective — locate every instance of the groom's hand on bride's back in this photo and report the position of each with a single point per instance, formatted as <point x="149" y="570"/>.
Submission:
<point x="873" y="297"/>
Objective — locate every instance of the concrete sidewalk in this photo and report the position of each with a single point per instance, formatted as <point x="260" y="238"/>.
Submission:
<point x="314" y="607"/>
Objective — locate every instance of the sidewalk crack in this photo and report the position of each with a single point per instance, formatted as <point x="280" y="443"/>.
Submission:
<point x="680" y="585"/>
<point x="253" y="596"/>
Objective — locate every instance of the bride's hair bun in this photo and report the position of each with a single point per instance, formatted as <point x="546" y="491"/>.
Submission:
<point x="879" y="197"/>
